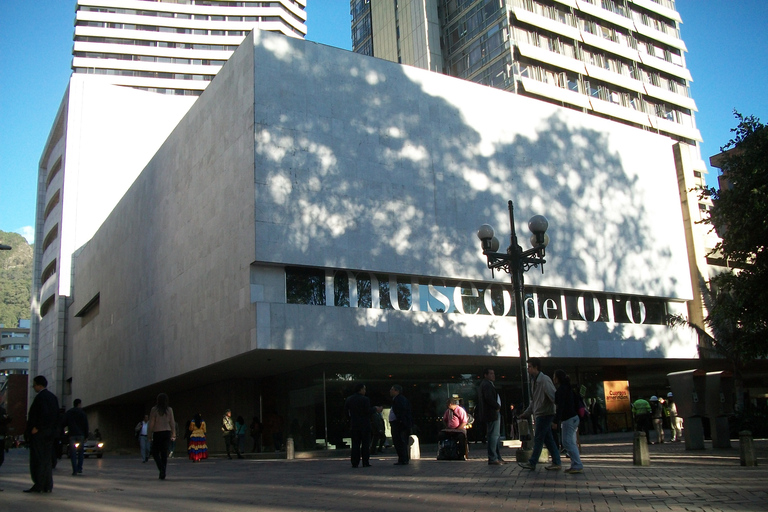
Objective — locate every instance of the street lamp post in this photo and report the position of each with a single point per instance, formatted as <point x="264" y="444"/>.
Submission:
<point x="516" y="262"/>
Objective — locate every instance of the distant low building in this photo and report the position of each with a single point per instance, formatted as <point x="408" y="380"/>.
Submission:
<point x="14" y="350"/>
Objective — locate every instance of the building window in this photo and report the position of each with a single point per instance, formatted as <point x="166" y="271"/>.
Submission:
<point x="53" y="234"/>
<point x="305" y="286"/>
<point x="49" y="271"/>
<point x="53" y="172"/>
<point x="47" y="305"/>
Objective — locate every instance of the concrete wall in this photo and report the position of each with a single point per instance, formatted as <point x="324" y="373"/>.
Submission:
<point x="104" y="136"/>
<point x="364" y="164"/>
<point x="171" y="263"/>
<point x="112" y="132"/>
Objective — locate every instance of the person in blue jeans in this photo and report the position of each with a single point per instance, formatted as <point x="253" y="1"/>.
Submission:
<point x="490" y="407"/>
<point x="77" y="425"/>
<point x="542" y="408"/>
<point x="568" y="417"/>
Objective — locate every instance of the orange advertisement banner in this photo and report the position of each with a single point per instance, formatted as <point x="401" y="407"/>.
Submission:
<point x="618" y="406"/>
<point x="617" y="396"/>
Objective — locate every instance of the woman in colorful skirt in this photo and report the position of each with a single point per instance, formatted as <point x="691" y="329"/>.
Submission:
<point x="198" y="449"/>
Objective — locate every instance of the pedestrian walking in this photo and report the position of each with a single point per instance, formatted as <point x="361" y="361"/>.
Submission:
<point x="77" y="428"/>
<point x="198" y="448"/>
<point x="542" y="409"/>
<point x="675" y="421"/>
<point x="378" y="432"/>
<point x="240" y="433"/>
<point x="567" y="415"/>
<point x="230" y="436"/>
<point x="255" y="430"/>
<point x="142" y="434"/>
<point x="657" y="413"/>
<point x="162" y="428"/>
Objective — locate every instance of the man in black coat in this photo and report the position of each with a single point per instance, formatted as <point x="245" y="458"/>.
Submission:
<point x="401" y="421"/>
<point x="42" y="422"/>
<point x="358" y="407"/>
<point x="77" y="428"/>
<point x="490" y="407"/>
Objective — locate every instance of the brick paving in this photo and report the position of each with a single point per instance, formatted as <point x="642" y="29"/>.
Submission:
<point x="676" y="480"/>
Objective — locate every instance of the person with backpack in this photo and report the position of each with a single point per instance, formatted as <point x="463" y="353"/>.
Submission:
<point x="567" y="405"/>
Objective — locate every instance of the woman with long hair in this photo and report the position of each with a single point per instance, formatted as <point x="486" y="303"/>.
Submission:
<point x="162" y="427"/>
<point x="198" y="448"/>
<point x="568" y="416"/>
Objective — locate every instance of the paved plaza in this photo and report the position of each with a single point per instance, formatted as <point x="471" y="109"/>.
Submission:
<point x="676" y="480"/>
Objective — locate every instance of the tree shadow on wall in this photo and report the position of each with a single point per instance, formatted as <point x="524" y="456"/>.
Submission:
<point x="366" y="165"/>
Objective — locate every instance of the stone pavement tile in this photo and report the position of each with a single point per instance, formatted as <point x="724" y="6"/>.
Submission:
<point x="683" y="481"/>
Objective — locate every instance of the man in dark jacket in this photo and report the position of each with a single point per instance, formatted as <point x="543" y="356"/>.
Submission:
<point x="42" y="422"/>
<point x="490" y="405"/>
<point x="77" y="427"/>
<point x="401" y="421"/>
<point x="358" y="407"/>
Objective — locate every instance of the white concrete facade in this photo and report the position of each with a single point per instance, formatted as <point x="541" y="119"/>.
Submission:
<point x="620" y="60"/>
<point x="367" y="167"/>
<point x="112" y="120"/>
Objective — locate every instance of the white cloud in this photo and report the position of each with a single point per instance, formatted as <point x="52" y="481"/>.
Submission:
<point x="27" y="232"/>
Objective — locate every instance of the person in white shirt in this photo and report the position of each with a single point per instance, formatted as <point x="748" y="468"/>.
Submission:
<point x="141" y="435"/>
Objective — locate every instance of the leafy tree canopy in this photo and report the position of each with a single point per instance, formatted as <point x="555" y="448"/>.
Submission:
<point x="15" y="279"/>
<point x="740" y="216"/>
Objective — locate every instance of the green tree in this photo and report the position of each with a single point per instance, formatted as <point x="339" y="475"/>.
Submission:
<point x="739" y="214"/>
<point x="737" y="300"/>
<point x="15" y="279"/>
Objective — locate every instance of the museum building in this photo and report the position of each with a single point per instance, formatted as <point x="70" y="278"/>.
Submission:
<point x="311" y="222"/>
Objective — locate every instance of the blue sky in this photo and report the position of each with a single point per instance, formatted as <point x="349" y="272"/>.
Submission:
<point x="727" y="55"/>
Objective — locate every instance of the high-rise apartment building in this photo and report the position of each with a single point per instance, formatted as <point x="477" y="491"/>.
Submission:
<point x="622" y="60"/>
<point x="171" y="46"/>
<point x="138" y="66"/>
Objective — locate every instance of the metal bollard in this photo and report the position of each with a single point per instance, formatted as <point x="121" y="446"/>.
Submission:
<point x="746" y="449"/>
<point x="640" y="456"/>
<point x="290" y="454"/>
<point x="413" y="447"/>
